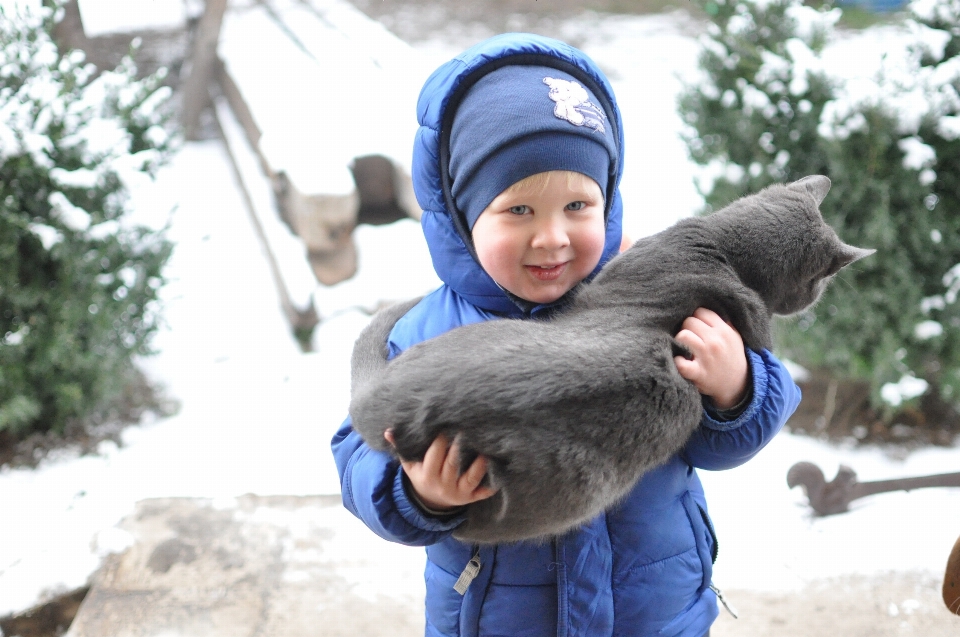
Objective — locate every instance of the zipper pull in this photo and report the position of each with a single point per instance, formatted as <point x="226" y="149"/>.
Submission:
<point x="730" y="609"/>
<point x="469" y="574"/>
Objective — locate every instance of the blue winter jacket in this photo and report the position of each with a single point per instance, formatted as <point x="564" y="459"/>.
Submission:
<point x="642" y="568"/>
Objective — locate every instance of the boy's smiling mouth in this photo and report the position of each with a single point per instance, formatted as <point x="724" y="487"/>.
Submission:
<point x="546" y="272"/>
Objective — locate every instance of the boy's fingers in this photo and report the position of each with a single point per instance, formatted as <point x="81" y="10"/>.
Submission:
<point x="689" y="339"/>
<point x="694" y="326"/>
<point x="711" y="319"/>
<point x="701" y="338"/>
<point x="481" y="493"/>
<point x="434" y="458"/>
<point x="687" y="368"/>
<point x="451" y="463"/>
<point x="708" y="316"/>
<point x="474" y="475"/>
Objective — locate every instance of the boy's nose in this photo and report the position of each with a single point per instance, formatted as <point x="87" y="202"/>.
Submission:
<point x="551" y="234"/>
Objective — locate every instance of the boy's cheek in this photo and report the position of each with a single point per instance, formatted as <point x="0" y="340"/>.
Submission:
<point x="597" y="243"/>
<point x="493" y="255"/>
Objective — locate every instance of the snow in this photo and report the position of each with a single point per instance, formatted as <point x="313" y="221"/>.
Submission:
<point x="904" y="389"/>
<point x="48" y="235"/>
<point x="917" y="155"/>
<point x="287" y="250"/>
<point x="927" y="329"/>
<point x="769" y="541"/>
<point x="104" y="17"/>
<point x="647" y="59"/>
<point x="256" y="414"/>
<point x="294" y="44"/>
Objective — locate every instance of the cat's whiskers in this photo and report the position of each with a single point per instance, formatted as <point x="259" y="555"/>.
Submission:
<point x="843" y="280"/>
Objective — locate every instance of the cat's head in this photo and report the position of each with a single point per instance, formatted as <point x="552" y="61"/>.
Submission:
<point x="782" y="247"/>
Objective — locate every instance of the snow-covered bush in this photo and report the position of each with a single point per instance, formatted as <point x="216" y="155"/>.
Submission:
<point x="769" y="110"/>
<point x="753" y="119"/>
<point x="78" y="285"/>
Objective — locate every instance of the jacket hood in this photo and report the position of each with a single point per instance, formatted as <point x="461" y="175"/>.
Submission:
<point x="445" y="228"/>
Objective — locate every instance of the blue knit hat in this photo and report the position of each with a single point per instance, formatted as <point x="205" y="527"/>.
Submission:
<point x="518" y="121"/>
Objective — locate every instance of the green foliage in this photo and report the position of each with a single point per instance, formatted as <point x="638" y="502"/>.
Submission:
<point x="78" y="284"/>
<point x="768" y="111"/>
<point x="754" y="119"/>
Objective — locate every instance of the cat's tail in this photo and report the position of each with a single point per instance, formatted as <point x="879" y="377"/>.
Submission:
<point x="370" y="351"/>
<point x="368" y="362"/>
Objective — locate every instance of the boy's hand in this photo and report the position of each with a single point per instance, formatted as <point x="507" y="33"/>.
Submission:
<point x="438" y="481"/>
<point x="719" y="366"/>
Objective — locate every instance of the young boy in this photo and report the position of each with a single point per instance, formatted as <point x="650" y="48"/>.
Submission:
<point x="516" y="167"/>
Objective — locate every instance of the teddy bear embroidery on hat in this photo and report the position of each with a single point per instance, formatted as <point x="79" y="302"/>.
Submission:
<point x="574" y="105"/>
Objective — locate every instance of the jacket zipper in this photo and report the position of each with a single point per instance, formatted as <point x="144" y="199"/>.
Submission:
<point x="730" y="609"/>
<point x="470" y="572"/>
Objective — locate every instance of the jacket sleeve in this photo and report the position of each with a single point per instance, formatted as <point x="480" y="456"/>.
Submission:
<point x="372" y="488"/>
<point x="717" y="445"/>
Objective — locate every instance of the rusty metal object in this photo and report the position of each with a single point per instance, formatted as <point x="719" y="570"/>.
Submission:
<point x="951" y="580"/>
<point x="828" y="498"/>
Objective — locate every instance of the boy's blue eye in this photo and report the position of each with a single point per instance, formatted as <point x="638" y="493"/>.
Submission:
<point x="519" y="210"/>
<point x="576" y="205"/>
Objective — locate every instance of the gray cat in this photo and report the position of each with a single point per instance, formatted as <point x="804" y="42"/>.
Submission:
<point x="572" y="411"/>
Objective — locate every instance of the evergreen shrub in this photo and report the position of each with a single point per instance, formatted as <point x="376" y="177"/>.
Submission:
<point x="78" y="283"/>
<point x="770" y="110"/>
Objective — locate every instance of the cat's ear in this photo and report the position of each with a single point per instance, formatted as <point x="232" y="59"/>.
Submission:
<point x="847" y="255"/>
<point x="816" y="185"/>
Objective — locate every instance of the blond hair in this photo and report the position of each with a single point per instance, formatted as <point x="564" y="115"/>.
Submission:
<point x="539" y="182"/>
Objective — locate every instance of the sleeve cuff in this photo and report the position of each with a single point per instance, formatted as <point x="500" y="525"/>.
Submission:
<point x="727" y="419"/>
<point x="414" y="497"/>
<point x="732" y="413"/>
<point x="420" y="516"/>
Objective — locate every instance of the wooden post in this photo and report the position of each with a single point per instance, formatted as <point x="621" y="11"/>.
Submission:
<point x="951" y="580"/>
<point x="196" y="91"/>
<point x="69" y="33"/>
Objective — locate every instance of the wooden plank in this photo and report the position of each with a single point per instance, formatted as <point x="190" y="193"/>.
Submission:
<point x="285" y="252"/>
<point x="281" y="96"/>
<point x="325" y="91"/>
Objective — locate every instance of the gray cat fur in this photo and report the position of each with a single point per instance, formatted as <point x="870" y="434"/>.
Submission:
<point x="571" y="412"/>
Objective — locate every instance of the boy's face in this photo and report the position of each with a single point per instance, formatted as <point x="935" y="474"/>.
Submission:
<point x="539" y="242"/>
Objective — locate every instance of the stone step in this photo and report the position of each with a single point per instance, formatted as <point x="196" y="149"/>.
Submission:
<point x="292" y="566"/>
<point x="283" y="566"/>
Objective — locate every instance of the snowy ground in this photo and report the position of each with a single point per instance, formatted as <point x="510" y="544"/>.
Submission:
<point x="257" y="414"/>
